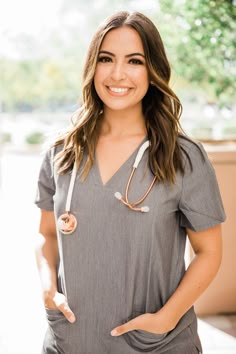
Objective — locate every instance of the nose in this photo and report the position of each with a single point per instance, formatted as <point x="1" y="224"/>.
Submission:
<point x="118" y="72"/>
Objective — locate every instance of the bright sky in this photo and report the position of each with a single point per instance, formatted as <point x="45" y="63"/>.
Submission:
<point x="27" y="16"/>
<point x="36" y="18"/>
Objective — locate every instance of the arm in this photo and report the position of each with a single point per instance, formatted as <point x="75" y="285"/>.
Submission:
<point x="47" y="258"/>
<point x="207" y="246"/>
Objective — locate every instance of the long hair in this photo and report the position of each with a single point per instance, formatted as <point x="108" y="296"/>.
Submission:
<point x="161" y="107"/>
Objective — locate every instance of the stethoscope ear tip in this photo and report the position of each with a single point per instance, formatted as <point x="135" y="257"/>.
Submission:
<point x="145" y="209"/>
<point x="118" y="195"/>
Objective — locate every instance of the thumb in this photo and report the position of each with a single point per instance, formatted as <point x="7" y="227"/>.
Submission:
<point x="118" y="331"/>
<point x="67" y="312"/>
<point x="63" y="306"/>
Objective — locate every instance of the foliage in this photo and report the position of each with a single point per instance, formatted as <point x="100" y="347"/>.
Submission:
<point x="35" y="138"/>
<point x="201" y="38"/>
<point x="28" y="85"/>
<point x="198" y="35"/>
<point x="5" y="138"/>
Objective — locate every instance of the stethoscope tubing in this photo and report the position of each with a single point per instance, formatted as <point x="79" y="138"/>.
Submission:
<point x="125" y="201"/>
<point x="145" y="195"/>
<point x="71" y="188"/>
<point x="62" y="220"/>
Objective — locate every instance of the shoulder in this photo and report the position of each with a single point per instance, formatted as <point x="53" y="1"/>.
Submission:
<point x="50" y="150"/>
<point x="48" y="155"/>
<point x="192" y="150"/>
<point x="188" y="143"/>
<point x="195" y="159"/>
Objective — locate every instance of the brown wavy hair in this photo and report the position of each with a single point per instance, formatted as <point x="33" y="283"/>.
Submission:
<point x="161" y="107"/>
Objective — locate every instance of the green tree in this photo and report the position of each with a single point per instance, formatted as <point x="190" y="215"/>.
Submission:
<point x="200" y="35"/>
<point x="17" y="82"/>
<point x="43" y="84"/>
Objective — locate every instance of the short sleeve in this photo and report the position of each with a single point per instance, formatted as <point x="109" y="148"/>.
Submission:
<point x="200" y="204"/>
<point x="46" y="184"/>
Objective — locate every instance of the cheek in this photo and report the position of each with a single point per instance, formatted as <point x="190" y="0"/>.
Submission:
<point x="96" y="77"/>
<point x="140" y="77"/>
<point x="101" y="73"/>
<point x="97" y="80"/>
<point x="145" y="80"/>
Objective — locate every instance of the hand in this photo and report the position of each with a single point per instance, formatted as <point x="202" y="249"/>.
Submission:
<point x="58" y="302"/>
<point x="150" y="322"/>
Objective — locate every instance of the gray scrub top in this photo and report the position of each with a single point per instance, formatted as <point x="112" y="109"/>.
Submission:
<point x="120" y="263"/>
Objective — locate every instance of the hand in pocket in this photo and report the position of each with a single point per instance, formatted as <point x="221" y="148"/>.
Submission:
<point x="59" y="302"/>
<point x="149" y="322"/>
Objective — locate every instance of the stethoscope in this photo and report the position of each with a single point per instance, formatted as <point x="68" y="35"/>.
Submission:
<point x="133" y="206"/>
<point x="67" y="222"/>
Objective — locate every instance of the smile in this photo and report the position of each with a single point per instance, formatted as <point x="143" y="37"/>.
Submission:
<point x="118" y="89"/>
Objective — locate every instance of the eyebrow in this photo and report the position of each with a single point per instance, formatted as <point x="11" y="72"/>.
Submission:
<point x="126" y="56"/>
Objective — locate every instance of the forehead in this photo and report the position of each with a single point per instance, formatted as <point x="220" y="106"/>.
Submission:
<point x="122" y="39"/>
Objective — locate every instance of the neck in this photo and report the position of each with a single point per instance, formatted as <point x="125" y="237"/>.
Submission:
<point x="122" y="123"/>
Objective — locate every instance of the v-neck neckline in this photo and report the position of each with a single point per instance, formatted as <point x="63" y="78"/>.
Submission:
<point x="109" y="181"/>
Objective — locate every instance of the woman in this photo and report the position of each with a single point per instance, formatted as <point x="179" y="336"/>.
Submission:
<point x="111" y="257"/>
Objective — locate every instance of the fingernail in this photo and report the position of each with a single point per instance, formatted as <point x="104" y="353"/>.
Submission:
<point x="114" y="332"/>
<point x="71" y="319"/>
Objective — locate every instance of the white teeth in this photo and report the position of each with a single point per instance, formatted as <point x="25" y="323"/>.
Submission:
<point x="118" y="89"/>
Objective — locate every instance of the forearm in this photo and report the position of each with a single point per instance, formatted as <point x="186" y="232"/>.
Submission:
<point x="47" y="257"/>
<point x="196" y="279"/>
<point x="198" y="276"/>
<point x="46" y="252"/>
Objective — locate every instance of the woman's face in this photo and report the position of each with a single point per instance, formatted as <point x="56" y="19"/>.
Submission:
<point x="121" y="77"/>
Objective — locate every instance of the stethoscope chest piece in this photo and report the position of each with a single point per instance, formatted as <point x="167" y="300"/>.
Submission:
<point x="67" y="223"/>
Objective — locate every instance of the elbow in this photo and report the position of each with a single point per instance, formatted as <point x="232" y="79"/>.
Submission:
<point x="214" y="262"/>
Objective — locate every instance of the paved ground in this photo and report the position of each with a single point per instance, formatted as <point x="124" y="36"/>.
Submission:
<point x="22" y="318"/>
<point x="22" y="323"/>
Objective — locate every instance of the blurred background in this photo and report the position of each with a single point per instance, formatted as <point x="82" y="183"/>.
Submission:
<point x="42" y="51"/>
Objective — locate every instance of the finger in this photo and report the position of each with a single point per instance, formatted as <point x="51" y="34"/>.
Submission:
<point x="118" y="331"/>
<point x="69" y="315"/>
<point x="63" y="306"/>
<point x="131" y="325"/>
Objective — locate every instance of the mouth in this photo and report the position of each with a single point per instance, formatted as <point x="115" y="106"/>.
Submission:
<point x="118" y="90"/>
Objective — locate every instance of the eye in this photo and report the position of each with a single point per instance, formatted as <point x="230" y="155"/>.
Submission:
<point x="104" y="59"/>
<point x="136" y="61"/>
